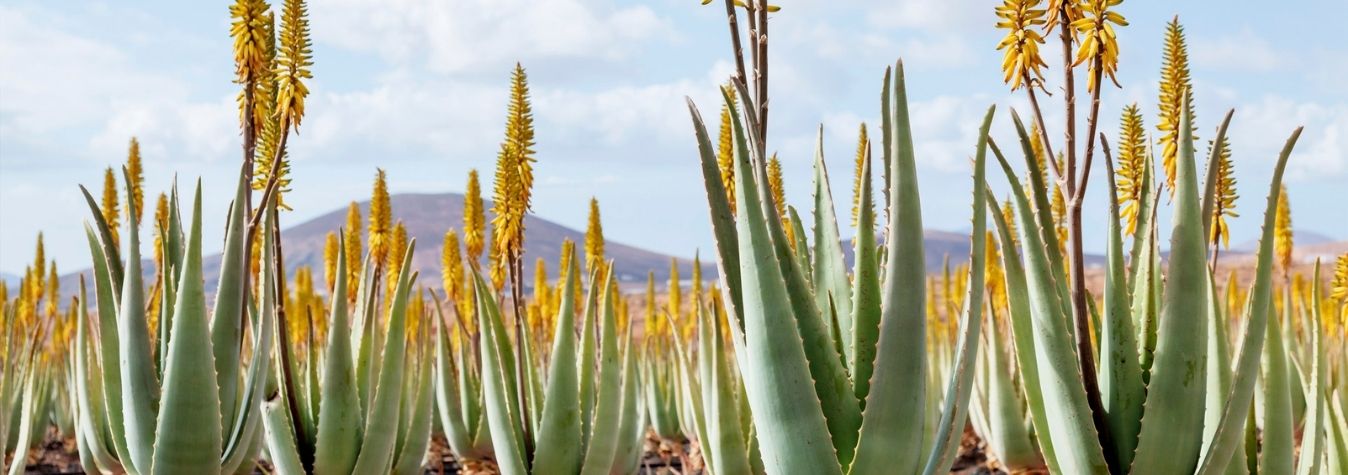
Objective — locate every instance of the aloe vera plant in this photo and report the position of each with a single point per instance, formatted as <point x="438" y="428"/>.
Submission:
<point x="807" y="408"/>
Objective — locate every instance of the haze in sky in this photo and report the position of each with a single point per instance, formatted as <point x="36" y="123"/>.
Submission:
<point x="419" y="88"/>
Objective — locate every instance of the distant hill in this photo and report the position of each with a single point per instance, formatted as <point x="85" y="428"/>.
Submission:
<point x="1301" y="237"/>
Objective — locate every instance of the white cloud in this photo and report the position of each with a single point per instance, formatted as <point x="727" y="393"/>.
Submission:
<point x="1321" y="152"/>
<point x="1240" y="51"/>
<point x="474" y="35"/>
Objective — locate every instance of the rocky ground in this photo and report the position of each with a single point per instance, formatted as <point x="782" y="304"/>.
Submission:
<point x="59" y="456"/>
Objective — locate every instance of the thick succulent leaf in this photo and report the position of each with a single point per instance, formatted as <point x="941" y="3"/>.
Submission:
<point x="954" y="412"/>
<point x="1121" y="388"/>
<point x="140" y="385"/>
<point x="188" y="436"/>
<point x="865" y="298"/>
<point x="585" y="365"/>
<point x="896" y="402"/>
<point x="608" y="405"/>
<point x="1313" y="430"/>
<point x="1212" y="175"/>
<point x="1075" y="446"/>
<point x="376" y="450"/>
<point x="558" y="452"/>
<point x="447" y="391"/>
<point x="1276" y="441"/>
<point x="722" y="219"/>
<point x="631" y="426"/>
<point x="243" y="437"/>
<point x="1022" y="333"/>
<point x="230" y="298"/>
<point x="339" y="428"/>
<point x="418" y="435"/>
<point x="90" y="423"/>
<point x="107" y="346"/>
<point x="842" y="411"/>
<point x="501" y="420"/>
<point x="113" y="258"/>
<point x="830" y="271"/>
<point x="281" y="437"/>
<point x="794" y="434"/>
<point x="1218" y="454"/>
<point x="1172" y="425"/>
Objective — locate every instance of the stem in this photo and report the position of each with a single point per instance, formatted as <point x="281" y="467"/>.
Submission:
<point x="521" y="384"/>
<point x="249" y="139"/>
<point x="1043" y="132"/>
<point x="288" y="376"/>
<point x="732" y="18"/>
<point x="761" y="65"/>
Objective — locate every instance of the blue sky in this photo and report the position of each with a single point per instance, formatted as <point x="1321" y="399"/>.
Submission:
<point x="419" y="88"/>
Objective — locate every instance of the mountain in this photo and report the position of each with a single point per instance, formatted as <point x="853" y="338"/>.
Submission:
<point x="428" y="215"/>
<point x="1300" y="237"/>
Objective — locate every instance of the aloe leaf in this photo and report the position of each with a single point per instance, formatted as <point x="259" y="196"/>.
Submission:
<point x="107" y="347"/>
<point x="865" y="299"/>
<point x="365" y="338"/>
<point x="418" y="435"/>
<point x="376" y="450"/>
<point x="281" y="437"/>
<point x="1212" y="173"/>
<point x="585" y="365"/>
<point x="1038" y="190"/>
<point x="726" y="428"/>
<point x="830" y="271"/>
<point x="896" y="401"/>
<point x="243" y="436"/>
<point x="112" y="258"/>
<point x="954" y="413"/>
<point x="28" y="413"/>
<point x="560" y="428"/>
<point x="338" y="412"/>
<point x="447" y="395"/>
<point x="1172" y="425"/>
<point x="1121" y="388"/>
<point x="722" y="219"/>
<point x="1218" y="373"/>
<point x="509" y="453"/>
<point x="604" y="439"/>
<point x="1313" y="433"/>
<point x="631" y="426"/>
<point x="1276" y="447"/>
<point x="140" y="386"/>
<point x="1218" y="454"/>
<point x="793" y="431"/>
<point x="90" y="425"/>
<point x="188" y="436"/>
<point x="1075" y="444"/>
<point x="230" y="297"/>
<point x="1022" y="332"/>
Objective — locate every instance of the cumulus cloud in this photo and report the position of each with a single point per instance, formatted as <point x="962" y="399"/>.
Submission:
<point x="472" y="35"/>
<point x="1242" y="50"/>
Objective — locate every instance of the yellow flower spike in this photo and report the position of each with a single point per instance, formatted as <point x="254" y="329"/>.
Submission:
<point x="1009" y="215"/>
<point x="330" y="251"/>
<point x="1282" y="233"/>
<point x="512" y="194"/>
<point x="1225" y="202"/>
<point x="1338" y="288"/>
<point x="652" y="320"/>
<point x="1175" y="83"/>
<point x="111" y="211"/>
<point x="353" y="249"/>
<point x="777" y="188"/>
<point x="137" y="172"/>
<point x="295" y="58"/>
<point x="863" y="150"/>
<point x="1055" y="9"/>
<point x="474" y="221"/>
<point x="160" y="227"/>
<point x="397" y="249"/>
<point x="1099" y="39"/>
<point x="675" y="303"/>
<point x="594" y="240"/>
<point x="247" y="30"/>
<point x="1022" y="62"/>
<point x="725" y="152"/>
<point x="1132" y="165"/>
<point x="381" y="218"/>
<point x="451" y="268"/>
